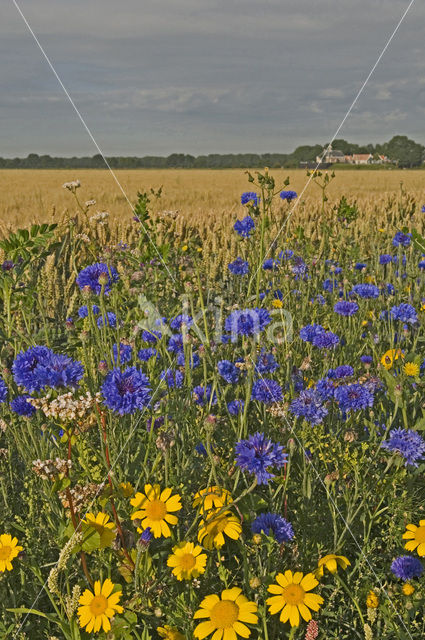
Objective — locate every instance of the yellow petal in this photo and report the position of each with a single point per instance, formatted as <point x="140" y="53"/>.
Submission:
<point x="294" y="616"/>
<point x="203" y="630"/>
<point x="241" y="629"/>
<point x="275" y="604"/>
<point x="231" y="594"/>
<point x="305" y="613"/>
<point x="309" y="582"/>
<point x="107" y="588"/>
<point x="284" y="616"/>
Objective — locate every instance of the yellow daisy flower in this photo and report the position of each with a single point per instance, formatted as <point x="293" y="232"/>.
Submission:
<point x="187" y="561"/>
<point x="99" y="607"/>
<point x="153" y="509"/>
<point x="169" y="633"/>
<point x="331" y="563"/>
<point x="411" y="369"/>
<point x="9" y="549"/>
<point x="212" y="529"/>
<point x="390" y="356"/>
<point x="416" y="538"/>
<point x="408" y="589"/>
<point x="103" y="525"/>
<point x="277" y="304"/>
<point x="211" y="498"/>
<point x="226" y="616"/>
<point x="291" y="597"/>
<point x="372" y="600"/>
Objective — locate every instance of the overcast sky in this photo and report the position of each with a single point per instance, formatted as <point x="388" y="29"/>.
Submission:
<point x="207" y="76"/>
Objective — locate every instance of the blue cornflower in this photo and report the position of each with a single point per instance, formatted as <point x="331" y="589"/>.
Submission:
<point x="407" y="567"/>
<point x="405" y="313"/>
<point x="21" y="406"/>
<point x="286" y="255"/>
<point x="250" y="197"/>
<point x="228" y="371"/>
<point x="421" y="264"/>
<point x="266" y="391"/>
<point x="288" y="195"/>
<point x="326" y="340"/>
<point x="257" y="454"/>
<point x="7" y="265"/>
<point x="408" y="443"/>
<point x="247" y="322"/>
<point x="346" y="308"/>
<point x="154" y="423"/>
<point x="146" y="354"/>
<point x="182" y="319"/>
<point x="366" y="359"/>
<point x="39" y="367"/>
<point x="423" y="208"/>
<point x="110" y="320"/>
<point x="175" y="343"/>
<point x="385" y="258"/>
<point x="280" y="528"/>
<point x="194" y="360"/>
<point x="239" y="267"/>
<point x="266" y="363"/>
<point x="270" y="264"/>
<point x="402" y="239"/>
<point x="299" y="267"/>
<point x="388" y="290"/>
<point x="330" y="285"/>
<point x="353" y="397"/>
<point x="89" y="277"/>
<point x="3" y="391"/>
<point x="125" y="353"/>
<point x="173" y="378"/>
<point x="244" y="227"/>
<point x="151" y="336"/>
<point x="319" y="299"/>
<point x="309" y="332"/>
<point x="360" y="266"/>
<point x="235" y="407"/>
<point x="325" y="388"/>
<point x="125" y="391"/>
<point x="343" y="371"/>
<point x="365" y="291"/>
<point x="83" y="312"/>
<point x="202" y="395"/>
<point x="309" y="405"/>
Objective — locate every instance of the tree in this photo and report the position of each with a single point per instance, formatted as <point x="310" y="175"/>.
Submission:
<point x="406" y="152"/>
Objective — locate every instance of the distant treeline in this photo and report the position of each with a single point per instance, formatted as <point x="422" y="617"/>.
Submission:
<point x="400" y="150"/>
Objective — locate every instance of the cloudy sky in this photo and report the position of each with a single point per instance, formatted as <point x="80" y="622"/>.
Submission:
<point x="207" y="76"/>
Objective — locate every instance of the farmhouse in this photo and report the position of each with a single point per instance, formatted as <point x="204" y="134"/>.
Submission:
<point x="331" y="156"/>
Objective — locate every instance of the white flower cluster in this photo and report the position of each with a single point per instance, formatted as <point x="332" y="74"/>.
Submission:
<point x="51" y="469"/>
<point x="100" y="217"/>
<point x="72" y="186"/>
<point x="66" y="407"/>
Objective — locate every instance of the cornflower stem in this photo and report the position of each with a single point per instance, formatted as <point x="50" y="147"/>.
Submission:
<point x="111" y="500"/>
<point x="75" y="520"/>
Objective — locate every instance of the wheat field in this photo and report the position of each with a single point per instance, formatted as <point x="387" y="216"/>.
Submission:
<point x="202" y="197"/>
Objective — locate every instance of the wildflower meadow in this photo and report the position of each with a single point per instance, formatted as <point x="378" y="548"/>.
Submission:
<point x="221" y="452"/>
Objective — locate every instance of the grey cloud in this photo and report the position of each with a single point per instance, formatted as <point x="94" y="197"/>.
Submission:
<point x="207" y="75"/>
